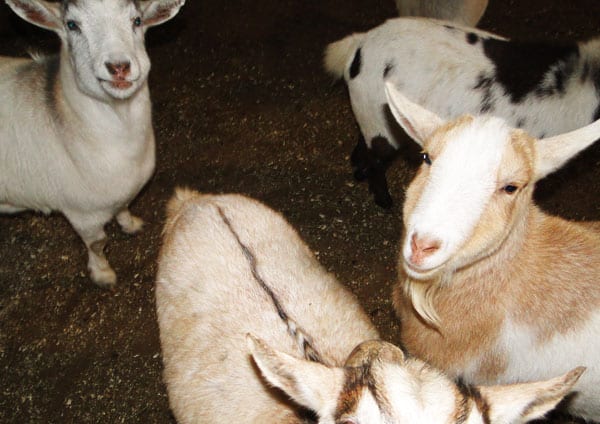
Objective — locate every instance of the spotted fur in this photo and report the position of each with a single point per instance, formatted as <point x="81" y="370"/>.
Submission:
<point x="545" y="88"/>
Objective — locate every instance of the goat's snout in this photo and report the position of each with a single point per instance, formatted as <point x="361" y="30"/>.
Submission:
<point x="119" y="70"/>
<point x="422" y="247"/>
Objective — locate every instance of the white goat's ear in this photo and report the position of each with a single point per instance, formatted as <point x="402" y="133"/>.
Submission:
<point x="554" y="152"/>
<point x="520" y="403"/>
<point x="310" y="384"/>
<point x="38" y="12"/>
<point x="155" y="12"/>
<point x="418" y="122"/>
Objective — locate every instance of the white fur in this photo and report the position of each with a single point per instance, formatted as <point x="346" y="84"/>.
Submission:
<point x="450" y="207"/>
<point x="79" y="140"/>
<point x="216" y="250"/>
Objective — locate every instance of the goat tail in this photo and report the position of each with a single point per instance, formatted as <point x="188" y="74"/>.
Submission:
<point x="338" y="54"/>
<point x="176" y="205"/>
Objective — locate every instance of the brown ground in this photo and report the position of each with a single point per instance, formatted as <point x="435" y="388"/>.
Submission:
<point x="241" y="105"/>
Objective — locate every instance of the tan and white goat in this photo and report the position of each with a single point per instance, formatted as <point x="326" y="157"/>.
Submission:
<point x="230" y="266"/>
<point x="76" y="129"/>
<point x="492" y="289"/>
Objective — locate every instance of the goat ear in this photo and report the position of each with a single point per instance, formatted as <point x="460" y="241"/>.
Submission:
<point x="554" y="152"/>
<point x="155" y="12"/>
<point x="38" y="12"/>
<point x="309" y="384"/>
<point x="418" y="122"/>
<point x="519" y="403"/>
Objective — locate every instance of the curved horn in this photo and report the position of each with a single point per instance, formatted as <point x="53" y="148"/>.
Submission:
<point x="366" y="352"/>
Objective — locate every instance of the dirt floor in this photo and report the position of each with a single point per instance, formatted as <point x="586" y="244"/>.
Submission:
<point x="241" y="104"/>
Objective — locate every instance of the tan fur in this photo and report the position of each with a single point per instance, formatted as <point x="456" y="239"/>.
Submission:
<point x="519" y="265"/>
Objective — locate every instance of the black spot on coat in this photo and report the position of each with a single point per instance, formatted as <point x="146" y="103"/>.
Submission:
<point x="355" y="65"/>
<point x="472" y="38"/>
<point x="521" y="68"/>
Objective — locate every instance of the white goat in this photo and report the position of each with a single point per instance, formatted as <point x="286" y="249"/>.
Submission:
<point x="543" y="88"/>
<point x="231" y="266"/>
<point x="491" y="288"/>
<point x="463" y="12"/>
<point x="76" y="130"/>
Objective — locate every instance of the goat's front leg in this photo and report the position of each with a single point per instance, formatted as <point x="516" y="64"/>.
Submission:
<point x="129" y="223"/>
<point x="92" y="233"/>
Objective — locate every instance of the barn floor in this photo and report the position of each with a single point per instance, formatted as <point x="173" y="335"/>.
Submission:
<point x="240" y="105"/>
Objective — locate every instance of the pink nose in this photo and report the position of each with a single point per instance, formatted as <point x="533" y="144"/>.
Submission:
<point x="119" y="70"/>
<point x="422" y="247"/>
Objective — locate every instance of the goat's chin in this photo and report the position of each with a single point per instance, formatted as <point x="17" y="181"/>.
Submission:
<point x="119" y="90"/>
<point x="421" y="274"/>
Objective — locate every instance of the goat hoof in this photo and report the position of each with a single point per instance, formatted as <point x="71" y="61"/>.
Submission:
<point x="104" y="278"/>
<point x="134" y="226"/>
<point x="384" y="201"/>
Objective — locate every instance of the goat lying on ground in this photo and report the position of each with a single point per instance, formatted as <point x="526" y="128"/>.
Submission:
<point x="462" y="12"/>
<point x="76" y="130"/>
<point x="231" y="266"/>
<point x="492" y="289"/>
<point x="544" y="88"/>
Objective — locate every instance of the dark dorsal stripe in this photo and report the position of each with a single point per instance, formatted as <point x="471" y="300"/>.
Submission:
<point x="295" y="331"/>
<point x="521" y="67"/>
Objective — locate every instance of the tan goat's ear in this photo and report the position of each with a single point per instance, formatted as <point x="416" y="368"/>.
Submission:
<point x="554" y="152"/>
<point x="38" y="12"/>
<point x="310" y="384"/>
<point x="519" y="403"/>
<point x="418" y="122"/>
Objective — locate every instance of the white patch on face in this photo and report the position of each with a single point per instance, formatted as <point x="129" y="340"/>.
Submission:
<point x="367" y="410"/>
<point x="461" y="181"/>
<point x="419" y="395"/>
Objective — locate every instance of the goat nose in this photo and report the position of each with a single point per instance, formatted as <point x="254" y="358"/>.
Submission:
<point x="118" y="69"/>
<point x="422" y="247"/>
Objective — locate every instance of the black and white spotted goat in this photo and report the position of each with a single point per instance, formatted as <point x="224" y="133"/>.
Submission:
<point x="76" y="130"/>
<point x="544" y="88"/>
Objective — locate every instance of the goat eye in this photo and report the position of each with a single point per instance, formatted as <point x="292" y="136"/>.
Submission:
<point x="426" y="158"/>
<point x="137" y="22"/>
<point x="509" y="188"/>
<point x="72" y="25"/>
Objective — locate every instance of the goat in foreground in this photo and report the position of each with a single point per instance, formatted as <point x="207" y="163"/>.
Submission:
<point x="230" y="266"/>
<point x="492" y="289"/>
<point x="76" y="130"/>
<point x="462" y="12"/>
<point x="543" y="88"/>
